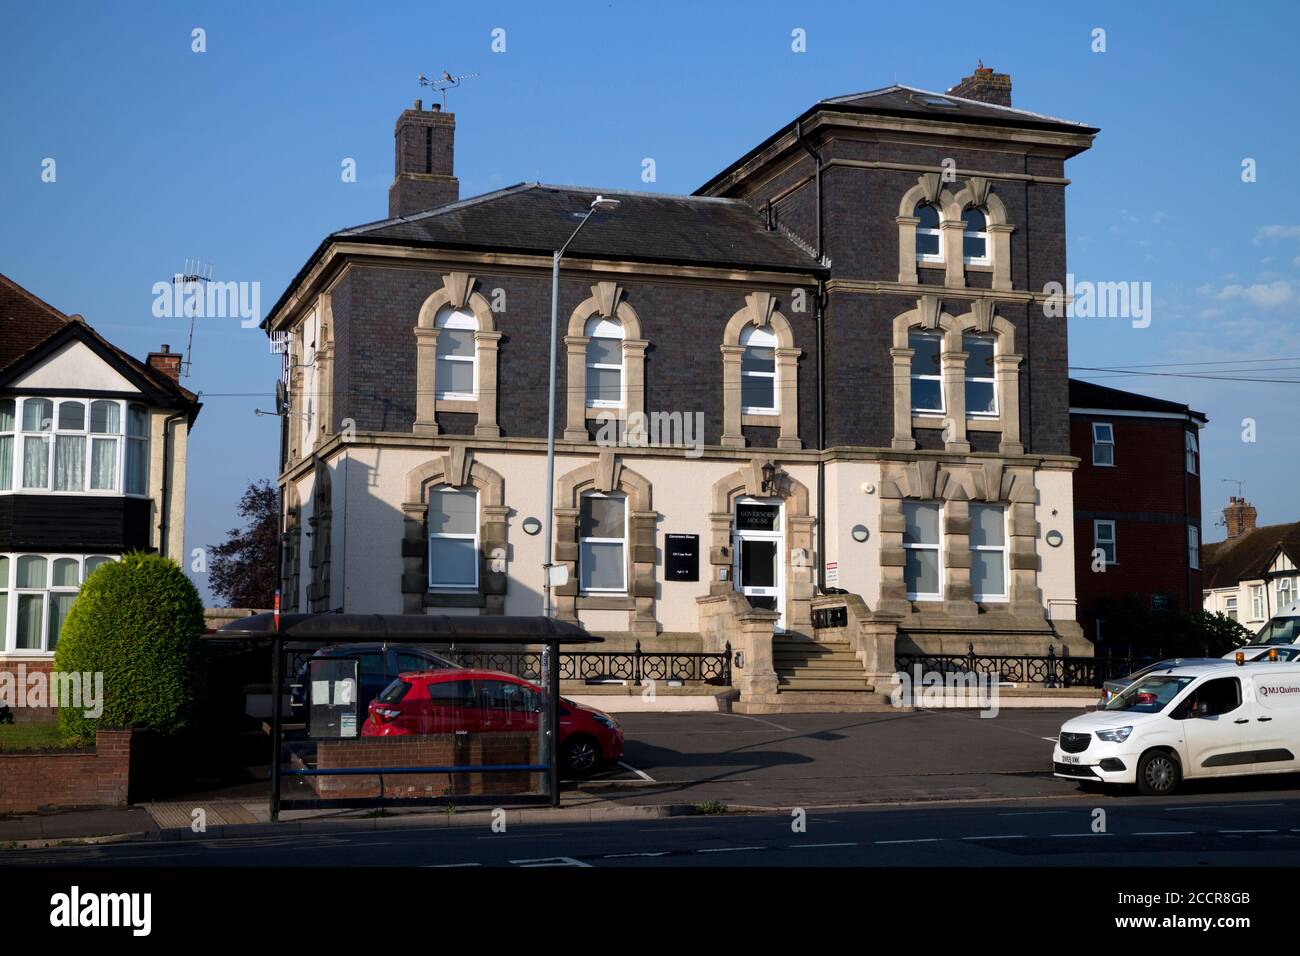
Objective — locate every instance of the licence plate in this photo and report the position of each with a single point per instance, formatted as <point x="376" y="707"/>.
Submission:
<point x="1069" y="758"/>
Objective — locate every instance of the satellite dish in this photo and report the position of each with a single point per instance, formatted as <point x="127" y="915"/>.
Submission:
<point x="281" y="399"/>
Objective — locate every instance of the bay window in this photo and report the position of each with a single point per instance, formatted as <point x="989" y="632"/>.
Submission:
<point x="602" y="543"/>
<point x="73" y="446"/>
<point x="453" y="538"/>
<point x="36" y="593"/>
<point x="922" y="566"/>
<point x="988" y="544"/>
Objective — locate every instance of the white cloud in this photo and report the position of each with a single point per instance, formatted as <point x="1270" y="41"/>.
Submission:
<point x="1273" y="233"/>
<point x="1262" y="295"/>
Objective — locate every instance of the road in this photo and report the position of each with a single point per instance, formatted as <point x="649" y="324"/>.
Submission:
<point x="1213" y="830"/>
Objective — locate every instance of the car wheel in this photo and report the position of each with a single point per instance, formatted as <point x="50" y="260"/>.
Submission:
<point x="1158" y="773"/>
<point x="581" y="755"/>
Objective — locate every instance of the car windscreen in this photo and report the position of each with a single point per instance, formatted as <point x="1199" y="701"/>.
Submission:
<point x="1150" y="695"/>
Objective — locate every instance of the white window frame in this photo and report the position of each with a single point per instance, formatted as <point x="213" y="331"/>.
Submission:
<point x="1193" y="547"/>
<point x="985" y="259"/>
<point x="458" y="320"/>
<point x="121" y="440"/>
<point x="9" y="587"/>
<point x="443" y="586"/>
<point x="1230" y="606"/>
<point x="937" y="548"/>
<point x="1290" y="591"/>
<point x="603" y="329"/>
<point x="15" y="435"/>
<point x="1005" y="548"/>
<point x="926" y="258"/>
<point x="1257" y="602"/>
<point x="747" y="342"/>
<point x="1113" y="540"/>
<point x="1192" y="448"/>
<point x="927" y="376"/>
<point x="583" y="587"/>
<point x="1099" y="442"/>
<point x="991" y="378"/>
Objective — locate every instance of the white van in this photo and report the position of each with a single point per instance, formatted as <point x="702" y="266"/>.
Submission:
<point x="1197" y="721"/>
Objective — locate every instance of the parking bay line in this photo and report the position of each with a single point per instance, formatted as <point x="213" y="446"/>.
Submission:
<point x="730" y="849"/>
<point x="640" y="773"/>
<point x="922" y="840"/>
<point x="814" y="846"/>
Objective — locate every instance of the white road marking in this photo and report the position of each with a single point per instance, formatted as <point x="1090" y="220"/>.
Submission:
<point x="811" y="846"/>
<point x="1003" y="836"/>
<point x="1033" y="813"/>
<point x="1221" y="806"/>
<point x="788" y="730"/>
<point x="550" y="861"/>
<point x="621" y="856"/>
<point x="1247" y="831"/>
<point x="730" y="849"/>
<point x="924" y="840"/>
<point x="1164" y="833"/>
<point x="640" y="773"/>
<point x="1081" y="834"/>
<point x="448" y="866"/>
<point x="1052" y="739"/>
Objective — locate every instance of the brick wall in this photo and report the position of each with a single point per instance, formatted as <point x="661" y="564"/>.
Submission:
<point x="96" y="778"/>
<point x="431" y="750"/>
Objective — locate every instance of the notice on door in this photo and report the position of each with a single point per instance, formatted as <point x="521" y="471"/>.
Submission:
<point x="682" y="557"/>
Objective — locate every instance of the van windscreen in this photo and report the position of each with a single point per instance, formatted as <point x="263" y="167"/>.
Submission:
<point x="1150" y="695"/>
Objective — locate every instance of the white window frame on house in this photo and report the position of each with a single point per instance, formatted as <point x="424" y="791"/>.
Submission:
<point x="584" y="585"/>
<point x="1230" y="606"/>
<point x="456" y="320"/>
<point x="933" y="258"/>
<point x="1193" y="547"/>
<point x="980" y="234"/>
<point x="1285" y="596"/>
<point x="1257" y="602"/>
<point x="1193" y="453"/>
<point x="935" y="376"/>
<point x="1111" y="539"/>
<point x="1004" y="549"/>
<point x="129" y="445"/>
<point x="1108" y="442"/>
<point x="11" y="594"/>
<point x="990" y="379"/>
<point x="755" y="337"/>
<point x="444" y="585"/>
<point x="606" y="330"/>
<point x="936" y="547"/>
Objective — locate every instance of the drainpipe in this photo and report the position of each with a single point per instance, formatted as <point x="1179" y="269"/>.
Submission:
<point x="163" y="504"/>
<point x="821" y="365"/>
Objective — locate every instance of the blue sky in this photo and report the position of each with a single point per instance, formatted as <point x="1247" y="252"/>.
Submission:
<point x="233" y="156"/>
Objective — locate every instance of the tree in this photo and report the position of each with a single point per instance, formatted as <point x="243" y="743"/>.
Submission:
<point x="242" y="568"/>
<point x="1170" y="632"/>
<point x="139" y="623"/>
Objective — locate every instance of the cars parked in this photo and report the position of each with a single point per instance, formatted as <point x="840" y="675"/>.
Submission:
<point x="377" y="664"/>
<point x="1184" y="722"/>
<point x="466" y="700"/>
<point x="1111" y="688"/>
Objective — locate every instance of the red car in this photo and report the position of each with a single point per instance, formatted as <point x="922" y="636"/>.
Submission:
<point x="478" y="701"/>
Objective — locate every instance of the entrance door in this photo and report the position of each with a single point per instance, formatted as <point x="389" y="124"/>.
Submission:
<point x="759" y="572"/>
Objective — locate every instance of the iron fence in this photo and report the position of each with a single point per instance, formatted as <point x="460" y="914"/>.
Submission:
<point x="1048" y="669"/>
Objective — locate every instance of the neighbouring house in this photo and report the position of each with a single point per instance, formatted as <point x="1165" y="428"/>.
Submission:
<point x="1255" y="572"/>
<point x="853" y="314"/>
<point x="1137" y="502"/>
<point x="92" y="464"/>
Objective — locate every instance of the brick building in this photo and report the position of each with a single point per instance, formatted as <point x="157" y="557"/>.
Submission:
<point x="852" y="312"/>
<point x="1137" y="501"/>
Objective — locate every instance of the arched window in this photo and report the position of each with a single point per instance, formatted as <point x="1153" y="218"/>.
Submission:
<point x="975" y="236"/>
<point x="604" y="363"/>
<point x="758" y="371"/>
<point x="929" y="242"/>
<point x="927" y="372"/>
<point x="981" y="380"/>
<point x="457" y="369"/>
<point x="453" y="537"/>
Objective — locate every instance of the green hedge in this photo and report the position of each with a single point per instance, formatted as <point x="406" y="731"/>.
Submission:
<point x="140" y="622"/>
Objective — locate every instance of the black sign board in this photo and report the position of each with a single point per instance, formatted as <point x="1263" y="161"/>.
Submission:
<point x="757" y="517"/>
<point x="682" y="554"/>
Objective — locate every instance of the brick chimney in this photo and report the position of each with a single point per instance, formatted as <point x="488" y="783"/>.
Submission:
<point x="986" y="86"/>
<point x="167" y="362"/>
<point x="1239" y="517"/>
<point x="422" y="172"/>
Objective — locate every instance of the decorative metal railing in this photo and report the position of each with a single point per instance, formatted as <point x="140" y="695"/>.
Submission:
<point x="1047" y="669"/>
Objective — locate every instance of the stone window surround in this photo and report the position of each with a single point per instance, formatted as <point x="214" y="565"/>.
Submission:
<point x="607" y="301"/>
<point x="982" y="318"/>
<point x="320" y="522"/>
<point x="977" y="192"/>
<point x="747" y="482"/>
<point x="455" y="468"/>
<point x="606" y="474"/>
<point x="955" y="486"/>
<point x="760" y="310"/>
<point x="457" y="292"/>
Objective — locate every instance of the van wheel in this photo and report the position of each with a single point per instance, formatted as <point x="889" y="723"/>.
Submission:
<point x="581" y="754"/>
<point x="1158" y="773"/>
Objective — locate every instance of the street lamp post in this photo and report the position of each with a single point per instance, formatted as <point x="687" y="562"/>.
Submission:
<point x="600" y="202"/>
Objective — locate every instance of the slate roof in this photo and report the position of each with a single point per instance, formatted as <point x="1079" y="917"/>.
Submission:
<point x="1090" y="395"/>
<point x="646" y="227"/>
<point x="1247" y="557"/>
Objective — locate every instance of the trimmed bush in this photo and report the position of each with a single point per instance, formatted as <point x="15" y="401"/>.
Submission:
<point x="140" y="622"/>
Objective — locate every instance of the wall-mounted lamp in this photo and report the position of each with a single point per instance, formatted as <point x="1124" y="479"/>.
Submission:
<point x="769" y="475"/>
<point x="1054" y="538"/>
<point x="532" y="526"/>
<point x="859" y="533"/>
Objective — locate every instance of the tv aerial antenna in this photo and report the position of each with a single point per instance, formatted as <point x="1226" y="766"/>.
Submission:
<point x="195" y="276"/>
<point x="440" y="85"/>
